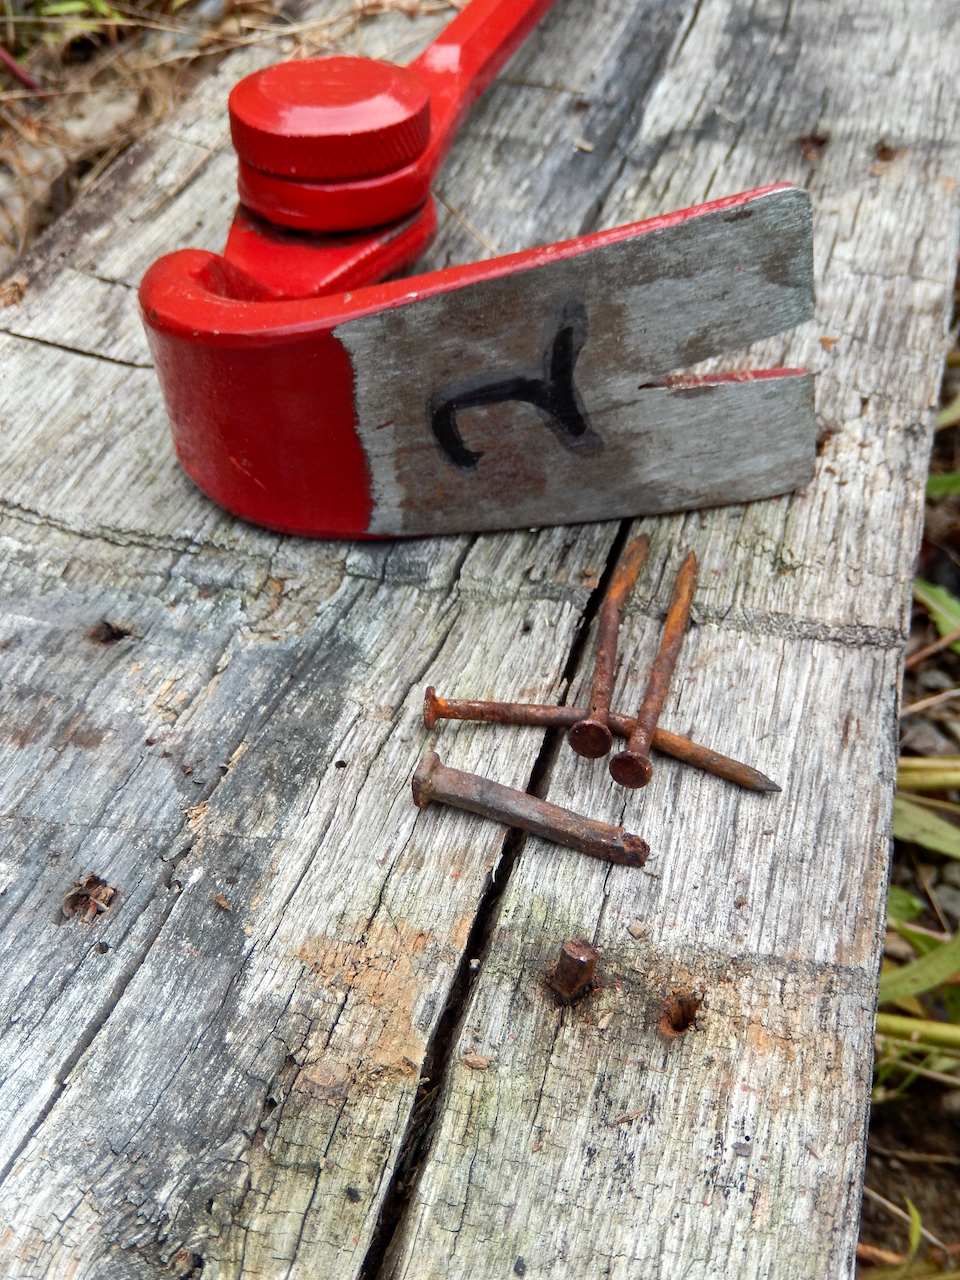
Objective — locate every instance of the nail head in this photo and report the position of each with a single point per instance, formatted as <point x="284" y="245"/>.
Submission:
<point x="631" y="770"/>
<point x="590" y="738"/>
<point x="430" y="707"/>
<point x="574" y="969"/>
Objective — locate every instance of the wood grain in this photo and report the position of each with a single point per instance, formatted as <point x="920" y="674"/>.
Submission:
<point x="186" y="1084"/>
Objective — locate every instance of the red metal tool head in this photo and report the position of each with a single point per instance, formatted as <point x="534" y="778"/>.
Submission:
<point x="508" y="393"/>
<point x="330" y="119"/>
<point x="340" y="144"/>
<point x="533" y="389"/>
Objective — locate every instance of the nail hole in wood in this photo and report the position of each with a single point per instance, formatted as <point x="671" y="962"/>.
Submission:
<point x="812" y="145"/>
<point x="678" y="1014"/>
<point x="825" y="432"/>
<point x="885" y="153"/>
<point x="88" y="898"/>
<point x="109" y="632"/>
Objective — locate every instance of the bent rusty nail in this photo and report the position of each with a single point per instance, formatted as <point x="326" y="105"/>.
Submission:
<point x="632" y="768"/>
<point x="434" y="781"/>
<point x="591" y="736"/>
<point x="550" y="717"/>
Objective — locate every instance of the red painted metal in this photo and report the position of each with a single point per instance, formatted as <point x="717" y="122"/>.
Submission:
<point x="330" y="119"/>
<point x="336" y="158"/>
<point x="242" y="376"/>
<point x="260" y="391"/>
<point x="355" y="193"/>
<point x="297" y="264"/>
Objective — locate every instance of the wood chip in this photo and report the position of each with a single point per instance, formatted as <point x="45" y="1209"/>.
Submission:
<point x="476" y="1061"/>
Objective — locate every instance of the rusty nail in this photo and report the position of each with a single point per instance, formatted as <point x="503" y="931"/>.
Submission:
<point x="434" y="781"/>
<point x="591" y="736"/>
<point x="574" y="969"/>
<point x="632" y="768"/>
<point x="538" y="715"/>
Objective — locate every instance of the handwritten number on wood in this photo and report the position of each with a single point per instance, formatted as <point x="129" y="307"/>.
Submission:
<point x="550" y="389"/>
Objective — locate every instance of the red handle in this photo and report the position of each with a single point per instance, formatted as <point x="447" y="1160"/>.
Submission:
<point x="362" y="122"/>
<point x="467" y="55"/>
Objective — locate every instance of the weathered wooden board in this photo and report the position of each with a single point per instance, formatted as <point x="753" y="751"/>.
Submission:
<point x="188" y="1086"/>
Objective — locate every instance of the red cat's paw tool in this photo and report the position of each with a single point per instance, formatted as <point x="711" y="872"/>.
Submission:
<point x="532" y="389"/>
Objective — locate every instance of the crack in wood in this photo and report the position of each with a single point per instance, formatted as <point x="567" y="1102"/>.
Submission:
<point x="437" y="1059"/>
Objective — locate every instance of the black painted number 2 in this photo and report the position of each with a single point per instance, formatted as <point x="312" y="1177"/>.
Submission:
<point x="550" y="389"/>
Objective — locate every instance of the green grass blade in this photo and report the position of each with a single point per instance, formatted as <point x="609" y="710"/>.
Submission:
<point x="943" y="605"/>
<point x="950" y="416"/>
<point x="923" y="974"/>
<point x="901" y="905"/>
<point x="64" y="7"/>
<point x="901" y="1027"/>
<point x="941" y="484"/>
<point x="916" y="1228"/>
<point x="922" y="826"/>
<point x="945" y="779"/>
<point x="922" y="943"/>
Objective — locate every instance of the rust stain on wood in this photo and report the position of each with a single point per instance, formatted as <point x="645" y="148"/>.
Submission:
<point x="379" y="970"/>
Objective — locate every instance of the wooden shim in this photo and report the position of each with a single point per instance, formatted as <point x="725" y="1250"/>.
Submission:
<point x="667" y="450"/>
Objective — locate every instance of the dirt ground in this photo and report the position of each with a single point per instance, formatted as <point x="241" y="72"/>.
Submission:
<point x="914" y="1151"/>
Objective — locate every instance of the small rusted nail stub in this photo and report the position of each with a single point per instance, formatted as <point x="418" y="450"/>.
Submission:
<point x="591" y="736"/>
<point x="574" y="969"/>
<point x="434" y="781"/>
<point x="632" y="768"/>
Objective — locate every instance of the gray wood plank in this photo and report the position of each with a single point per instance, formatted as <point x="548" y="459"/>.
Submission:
<point x="212" y="1085"/>
<point x="587" y="1150"/>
